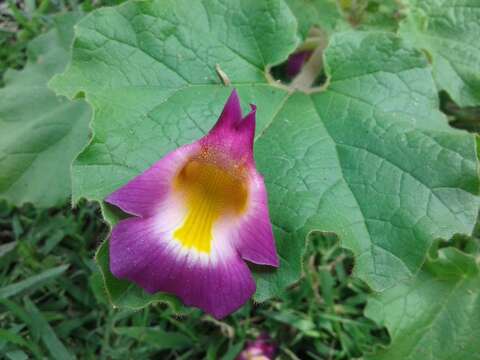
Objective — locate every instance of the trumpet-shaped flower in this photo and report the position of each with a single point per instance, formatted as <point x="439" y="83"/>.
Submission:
<point x="198" y="214"/>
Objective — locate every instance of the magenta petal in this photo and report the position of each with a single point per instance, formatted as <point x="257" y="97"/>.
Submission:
<point x="231" y="114"/>
<point x="247" y="130"/>
<point x="140" y="254"/>
<point x="143" y="194"/>
<point x="296" y="61"/>
<point x="255" y="240"/>
<point x="261" y="348"/>
<point x="233" y="134"/>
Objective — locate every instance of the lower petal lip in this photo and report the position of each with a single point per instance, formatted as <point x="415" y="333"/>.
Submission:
<point x="138" y="254"/>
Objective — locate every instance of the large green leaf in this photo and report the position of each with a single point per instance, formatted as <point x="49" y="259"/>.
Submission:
<point x="378" y="14"/>
<point x="370" y="158"/>
<point x="435" y="316"/>
<point x="40" y="133"/>
<point x="338" y="15"/>
<point x="448" y="30"/>
<point x="323" y="14"/>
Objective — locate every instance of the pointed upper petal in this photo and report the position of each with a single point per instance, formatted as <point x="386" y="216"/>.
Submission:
<point x="246" y="130"/>
<point x="231" y="114"/>
<point x="232" y="134"/>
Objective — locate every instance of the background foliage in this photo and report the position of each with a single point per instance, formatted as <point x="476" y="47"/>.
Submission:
<point x="395" y="176"/>
<point x="41" y="133"/>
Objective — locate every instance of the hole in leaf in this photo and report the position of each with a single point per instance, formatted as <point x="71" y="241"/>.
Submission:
<point x="467" y="118"/>
<point x="321" y="79"/>
<point x="304" y="70"/>
<point x="288" y="72"/>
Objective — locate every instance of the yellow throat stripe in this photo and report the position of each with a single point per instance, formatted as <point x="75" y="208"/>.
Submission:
<point x="209" y="191"/>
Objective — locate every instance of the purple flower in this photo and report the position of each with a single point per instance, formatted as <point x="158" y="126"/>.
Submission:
<point x="260" y="349"/>
<point x="296" y="61"/>
<point x="199" y="213"/>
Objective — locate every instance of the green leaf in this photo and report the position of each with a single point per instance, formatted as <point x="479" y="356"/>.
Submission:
<point x="40" y="133"/>
<point x="16" y="355"/>
<point x="6" y="248"/>
<point x="323" y="14"/>
<point x="435" y="316"/>
<point x="156" y="337"/>
<point x="32" y="282"/>
<point x="380" y="15"/>
<point x="233" y="351"/>
<point x="304" y="324"/>
<point x="448" y="32"/>
<point x="370" y="157"/>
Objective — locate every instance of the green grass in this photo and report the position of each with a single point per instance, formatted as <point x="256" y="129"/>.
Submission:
<point x="52" y="302"/>
<point x="21" y="21"/>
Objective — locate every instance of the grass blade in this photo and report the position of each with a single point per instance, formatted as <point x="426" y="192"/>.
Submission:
<point x="155" y="336"/>
<point x="49" y="338"/>
<point x="13" y="338"/>
<point x="14" y="289"/>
